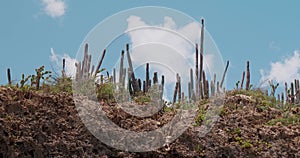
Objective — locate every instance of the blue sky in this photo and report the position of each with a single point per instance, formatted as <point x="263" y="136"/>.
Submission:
<point x="263" y="32"/>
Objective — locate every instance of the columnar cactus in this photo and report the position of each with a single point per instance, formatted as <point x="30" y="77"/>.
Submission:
<point x="248" y="77"/>
<point x="201" y="49"/>
<point x="9" y="76"/>
<point x="179" y="88"/>
<point x="147" y="78"/>
<point x="100" y="63"/>
<point x="197" y="71"/>
<point x="155" y="78"/>
<point x="292" y="93"/>
<point x="224" y="74"/>
<point x="121" y="67"/>
<point x="135" y="83"/>
<point x="175" y="93"/>
<point x="242" y="82"/>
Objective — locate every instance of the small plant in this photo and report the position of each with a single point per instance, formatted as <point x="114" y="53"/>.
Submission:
<point x="62" y="84"/>
<point x="40" y="74"/>
<point x="105" y="91"/>
<point x="287" y="119"/>
<point x="246" y="144"/>
<point x="24" y="80"/>
<point x="237" y="84"/>
<point x="273" y="87"/>
<point x="200" y="117"/>
<point x="142" y="99"/>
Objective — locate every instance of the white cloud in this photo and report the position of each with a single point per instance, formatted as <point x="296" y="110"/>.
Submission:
<point x="54" y="8"/>
<point x="165" y="44"/>
<point x="70" y="63"/>
<point x="283" y="71"/>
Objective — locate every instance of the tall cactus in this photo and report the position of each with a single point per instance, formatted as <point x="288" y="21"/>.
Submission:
<point x="248" y="76"/>
<point x="191" y="79"/>
<point x="135" y="83"/>
<point x="197" y="71"/>
<point x="147" y="78"/>
<point x="63" y="72"/>
<point x="179" y="88"/>
<point x="9" y="76"/>
<point x="175" y="93"/>
<point x="155" y="78"/>
<point x="121" y="67"/>
<point x="243" y="77"/>
<point x="224" y="74"/>
<point x="114" y="75"/>
<point x="292" y="93"/>
<point x="286" y="92"/>
<point x="189" y="91"/>
<point x="201" y="49"/>
<point x="100" y="62"/>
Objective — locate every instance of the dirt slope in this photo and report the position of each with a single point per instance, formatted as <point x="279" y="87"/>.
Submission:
<point x="47" y="125"/>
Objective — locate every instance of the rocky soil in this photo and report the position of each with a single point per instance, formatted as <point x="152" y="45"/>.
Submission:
<point x="36" y="124"/>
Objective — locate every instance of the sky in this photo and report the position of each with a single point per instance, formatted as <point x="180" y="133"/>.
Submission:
<point x="41" y="32"/>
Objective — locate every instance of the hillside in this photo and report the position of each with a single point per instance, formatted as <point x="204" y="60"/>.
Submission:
<point x="38" y="124"/>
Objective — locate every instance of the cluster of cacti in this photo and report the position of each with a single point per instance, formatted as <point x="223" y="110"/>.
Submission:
<point x="293" y="93"/>
<point x="199" y="88"/>
<point x="84" y="70"/>
<point x="247" y="73"/>
<point x="35" y="80"/>
<point x="135" y="86"/>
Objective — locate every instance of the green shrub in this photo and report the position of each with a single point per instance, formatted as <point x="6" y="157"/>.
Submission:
<point x="105" y="92"/>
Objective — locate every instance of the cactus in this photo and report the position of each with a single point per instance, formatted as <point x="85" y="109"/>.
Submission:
<point x="179" y="87"/>
<point x="144" y="87"/>
<point x="155" y="79"/>
<point x="189" y="91"/>
<point x="114" y="75"/>
<point x="135" y="83"/>
<point x="92" y="71"/>
<point x="243" y="77"/>
<point x="175" y="93"/>
<point x="273" y="88"/>
<point x="9" y="76"/>
<point x="201" y="91"/>
<point x="97" y="70"/>
<point x="286" y="92"/>
<point x="147" y="78"/>
<point x="206" y="93"/>
<point x="139" y="84"/>
<point x="121" y="67"/>
<point x="197" y="72"/>
<point x="40" y="74"/>
<point x="248" y="77"/>
<point x="201" y="49"/>
<point x="297" y="91"/>
<point x="162" y="83"/>
<point x="237" y="85"/>
<point x="204" y="85"/>
<point x="292" y="93"/>
<point x="282" y="98"/>
<point x="24" y="80"/>
<point x="224" y="74"/>
<point x="218" y="87"/>
<point x="191" y="80"/>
